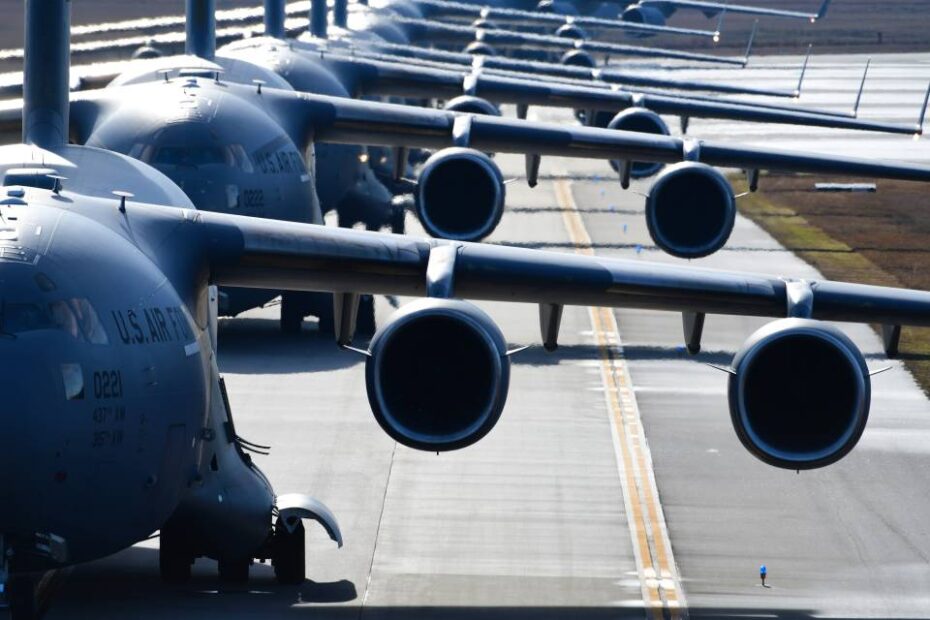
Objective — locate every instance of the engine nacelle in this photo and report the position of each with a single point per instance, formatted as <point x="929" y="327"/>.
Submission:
<point x="690" y="210"/>
<point x="479" y="48"/>
<point x="639" y="14"/>
<point x="472" y="105"/>
<point x="404" y="9"/>
<point x="571" y="31"/>
<point x="643" y="121"/>
<point x="799" y="395"/>
<point x="438" y="375"/>
<point x="554" y="6"/>
<point x="578" y="58"/>
<point x="460" y="194"/>
<point x="484" y="23"/>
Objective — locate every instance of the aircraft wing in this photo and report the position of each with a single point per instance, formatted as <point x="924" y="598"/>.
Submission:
<point x="447" y="33"/>
<point x="252" y="252"/>
<point x="440" y="8"/>
<point x="375" y="77"/>
<point x="712" y="8"/>
<point x="348" y="121"/>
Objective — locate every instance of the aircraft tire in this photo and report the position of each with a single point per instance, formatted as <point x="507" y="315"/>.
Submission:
<point x="292" y="317"/>
<point x="366" y="325"/>
<point x="21" y="598"/>
<point x="174" y="556"/>
<point x="398" y="221"/>
<point x="289" y="559"/>
<point x="234" y="571"/>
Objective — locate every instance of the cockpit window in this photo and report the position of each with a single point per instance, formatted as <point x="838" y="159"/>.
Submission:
<point x="76" y="317"/>
<point x="233" y="155"/>
<point x="189" y="156"/>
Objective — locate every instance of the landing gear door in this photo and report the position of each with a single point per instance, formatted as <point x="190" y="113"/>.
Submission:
<point x="296" y="506"/>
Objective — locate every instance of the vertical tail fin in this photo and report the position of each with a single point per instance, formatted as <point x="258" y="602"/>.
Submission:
<point x="855" y="111"/>
<point x="45" y="72"/>
<point x="822" y="11"/>
<point x="340" y="13"/>
<point x="318" y="18"/>
<point x="807" y="59"/>
<point x="274" y="19"/>
<point x="201" y="29"/>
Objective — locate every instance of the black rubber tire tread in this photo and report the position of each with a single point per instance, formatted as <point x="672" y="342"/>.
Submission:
<point x="234" y="571"/>
<point x="21" y="598"/>
<point x="174" y="555"/>
<point x="289" y="561"/>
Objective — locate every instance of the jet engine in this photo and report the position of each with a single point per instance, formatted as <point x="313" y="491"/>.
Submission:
<point x="639" y="14"/>
<point x="640" y="120"/>
<point x="472" y="105"/>
<point x="479" y="48"/>
<point x="438" y="375"/>
<point x="578" y="58"/>
<point x="690" y="210"/>
<point x="460" y="194"/>
<point x="799" y="394"/>
<point x="571" y="31"/>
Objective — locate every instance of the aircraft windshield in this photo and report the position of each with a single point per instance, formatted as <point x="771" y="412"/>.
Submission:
<point x="75" y="316"/>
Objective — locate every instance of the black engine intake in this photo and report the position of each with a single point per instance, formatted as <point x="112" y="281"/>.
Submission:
<point x="438" y="375"/>
<point x="460" y="195"/>
<point x="639" y="14"/>
<point x="578" y="58"/>
<point x="471" y="105"/>
<point x="799" y="395"/>
<point x="640" y="120"/>
<point x="690" y="210"/>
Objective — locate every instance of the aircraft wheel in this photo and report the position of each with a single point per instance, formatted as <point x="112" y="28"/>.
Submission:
<point x="234" y="571"/>
<point x="398" y="221"/>
<point x="21" y="597"/>
<point x="289" y="559"/>
<point x="174" y="555"/>
<point x="366" y="325"/>
<point x="292" y="317"/>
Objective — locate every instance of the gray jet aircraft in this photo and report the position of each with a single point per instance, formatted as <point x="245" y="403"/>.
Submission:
<point x="108" y="321"/>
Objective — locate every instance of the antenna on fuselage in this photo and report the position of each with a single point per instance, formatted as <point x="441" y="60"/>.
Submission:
<point x="274" y="19"/>
<point x="201" y="29"/>
<point x="47" y="59"/>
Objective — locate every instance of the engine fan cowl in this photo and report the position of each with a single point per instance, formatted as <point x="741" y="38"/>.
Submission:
<point x="472" y="105"/>
<point x="571" y="31"/>
<point x="578" y="58"/>
<point x="690" y="210"/>
<point x="460" y="195"/>
<point x="479" y="48"/>
<point x="438" y="375"/>
<point x="799" y="395"/>
<point x="639" y="14"/>
<point x="640" y="120"/>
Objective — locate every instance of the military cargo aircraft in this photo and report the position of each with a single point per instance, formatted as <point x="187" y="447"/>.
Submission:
<point x="108" y="320"/>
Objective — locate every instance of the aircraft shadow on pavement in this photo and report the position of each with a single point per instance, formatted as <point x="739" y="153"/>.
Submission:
<point x="257" y="346"/>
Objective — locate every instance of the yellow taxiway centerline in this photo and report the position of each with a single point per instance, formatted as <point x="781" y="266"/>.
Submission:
<point x="658" y="574"/>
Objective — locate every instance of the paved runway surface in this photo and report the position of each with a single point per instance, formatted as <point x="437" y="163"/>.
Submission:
<point x="538" y="520"/>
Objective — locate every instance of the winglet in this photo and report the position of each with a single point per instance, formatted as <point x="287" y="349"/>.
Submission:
<point x="752" y="38"/>
<point x="822" y="11"/>
<point x="923" y="113"/>
<point x="807" y="59"/>
<point x="855" y="111"/>
<point x="719" y="28"/>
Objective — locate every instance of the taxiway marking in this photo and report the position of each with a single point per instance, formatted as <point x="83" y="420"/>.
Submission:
<point x="658" y="574"/>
